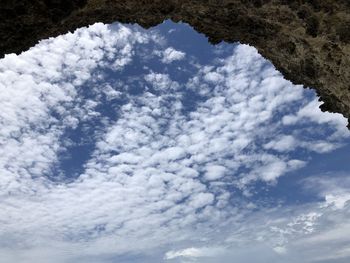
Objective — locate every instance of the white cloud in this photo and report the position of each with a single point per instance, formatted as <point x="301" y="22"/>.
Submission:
<point x="194" y="252"/>
<point x="214" y="77"/>
<point x="161" y="81"/>
<point x="334" y="189"/>
<point x="214" y="172"/>
<point x="310" y="112"/>
<point x="170" y="54"/>
<point x="280" y="250"/>
<point x="338" y="200"/>
<point x="284" y="144"/>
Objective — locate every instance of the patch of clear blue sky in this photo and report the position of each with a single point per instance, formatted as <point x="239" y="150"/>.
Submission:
<point x="288" y="189"/>
<point x="179" y="36"/>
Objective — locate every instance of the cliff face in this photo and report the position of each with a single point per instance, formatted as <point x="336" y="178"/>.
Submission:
<point x="307" y="40"/>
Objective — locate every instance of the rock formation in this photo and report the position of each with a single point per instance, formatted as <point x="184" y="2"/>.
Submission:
<point x="307" y="40"/>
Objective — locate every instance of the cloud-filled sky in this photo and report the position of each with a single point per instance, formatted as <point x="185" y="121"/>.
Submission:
<point x="120" y="144"/>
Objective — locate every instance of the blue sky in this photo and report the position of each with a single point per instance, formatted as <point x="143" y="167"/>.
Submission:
<point x="121" y="144"/>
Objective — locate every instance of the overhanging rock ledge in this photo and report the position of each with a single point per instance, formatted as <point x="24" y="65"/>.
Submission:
<point x="307" y="40"/>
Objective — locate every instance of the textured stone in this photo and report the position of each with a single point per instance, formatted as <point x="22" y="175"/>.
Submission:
<point x="307" y="40"/>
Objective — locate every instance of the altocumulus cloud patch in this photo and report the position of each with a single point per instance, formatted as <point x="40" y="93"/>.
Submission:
<point x="119" y="141"/>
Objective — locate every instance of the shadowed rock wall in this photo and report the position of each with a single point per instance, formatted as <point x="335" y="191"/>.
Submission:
<point x="307" y="40"/>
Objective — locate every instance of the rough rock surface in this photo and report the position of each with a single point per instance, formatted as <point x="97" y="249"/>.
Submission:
<point x="307" y="40"/>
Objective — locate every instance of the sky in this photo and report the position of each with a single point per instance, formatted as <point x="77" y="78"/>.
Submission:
<point x="120" y="144"/>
